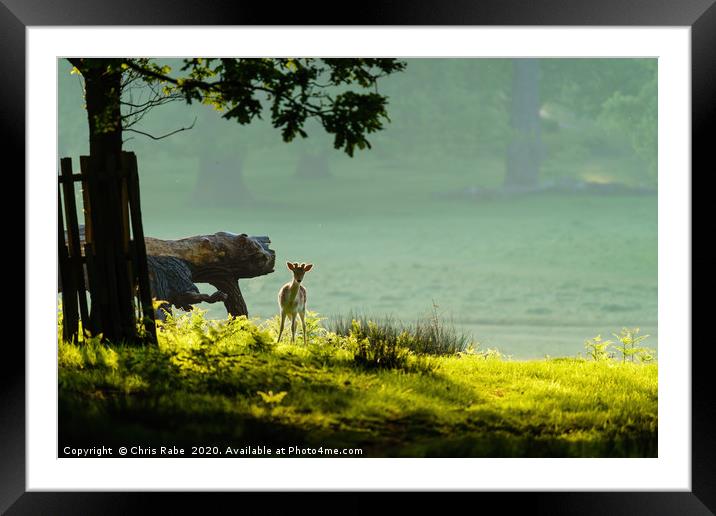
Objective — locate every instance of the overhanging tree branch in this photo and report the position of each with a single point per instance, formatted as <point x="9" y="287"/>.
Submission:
<point x="163" y="136"/>
<point x="295" y="89"/>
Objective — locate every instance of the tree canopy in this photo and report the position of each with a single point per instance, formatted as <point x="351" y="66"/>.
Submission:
<point x="341" y="94"/>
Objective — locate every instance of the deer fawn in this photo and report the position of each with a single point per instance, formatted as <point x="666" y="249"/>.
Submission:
<point x="292" y="299"/>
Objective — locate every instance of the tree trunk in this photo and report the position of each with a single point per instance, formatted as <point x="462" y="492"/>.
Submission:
<point x="524" y="154"/>
<point x="113" y="306"/>
<point x="220" y="181"/>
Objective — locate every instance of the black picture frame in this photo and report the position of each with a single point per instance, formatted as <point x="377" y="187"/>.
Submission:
<point x="699" y="15"/>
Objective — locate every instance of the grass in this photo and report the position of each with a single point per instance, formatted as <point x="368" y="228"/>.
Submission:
<point x="429" y="334"/>
<point x="228" y="383"/>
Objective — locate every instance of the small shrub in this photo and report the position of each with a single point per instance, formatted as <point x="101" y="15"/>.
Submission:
<point x="597" y="348"/>
<point x="435" y="336"/>
<point x="90" y="353"/>
<point x="629" y="346"/>
<point x="473" y="349"/>
<point x="194" y="330"/>
<point x="378" y="346"/>
<point x="328" y="348"/>
<point x="430" y="335"/>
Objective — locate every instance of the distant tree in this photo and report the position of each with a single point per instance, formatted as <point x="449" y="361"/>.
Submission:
<point x="220" y="179"/>
<point x="339" y="93"/>
<point x="620" y="95"/>
<point x="456" y="108"/>
<point x="524" y="152"/>
<point x="634" y="117"/>
<point x="617" y="96"/>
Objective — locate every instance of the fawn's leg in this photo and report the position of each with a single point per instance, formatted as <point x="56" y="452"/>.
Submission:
<point x="280" y="331"/>
<point x="293" y="327"/>
<point x="303" y="325"/>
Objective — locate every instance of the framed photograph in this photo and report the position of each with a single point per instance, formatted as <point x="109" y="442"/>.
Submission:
<point x="440" y="249"/>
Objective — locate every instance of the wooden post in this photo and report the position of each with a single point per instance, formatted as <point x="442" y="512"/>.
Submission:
<point x="129" y="251"/>
<point x="93" y="324"/>
<point x="129" y="161"/>
<point x="87" y="207"/>
<point x="69" y="290"/>
<point x="73" y="236"/>
<point x="97" y="296"/>
<point x="125" y="316"/>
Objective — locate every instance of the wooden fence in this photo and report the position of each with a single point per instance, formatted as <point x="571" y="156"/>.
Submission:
<point x="110" y="262"/>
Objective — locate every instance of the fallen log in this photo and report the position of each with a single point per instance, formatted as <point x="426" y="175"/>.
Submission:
<point x="170" y="282"/>
<point x="220" y="259"/>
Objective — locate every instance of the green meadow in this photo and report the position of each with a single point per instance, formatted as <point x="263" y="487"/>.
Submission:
<point x="227" y="383"/>
<point x="533" y="275"/>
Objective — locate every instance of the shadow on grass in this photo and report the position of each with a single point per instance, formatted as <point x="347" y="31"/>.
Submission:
<point x="217" y="403"/>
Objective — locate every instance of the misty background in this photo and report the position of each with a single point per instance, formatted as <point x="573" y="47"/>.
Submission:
<point x="436" y="213"/>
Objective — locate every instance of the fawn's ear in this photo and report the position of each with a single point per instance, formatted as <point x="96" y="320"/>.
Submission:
<point x="290" y="266"/>
<point x="308" y="267"/>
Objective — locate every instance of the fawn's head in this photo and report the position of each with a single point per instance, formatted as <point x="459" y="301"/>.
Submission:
<point x="299" y="269"/>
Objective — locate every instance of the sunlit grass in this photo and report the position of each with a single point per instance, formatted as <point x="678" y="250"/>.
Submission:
<point x="227" y="382"/>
